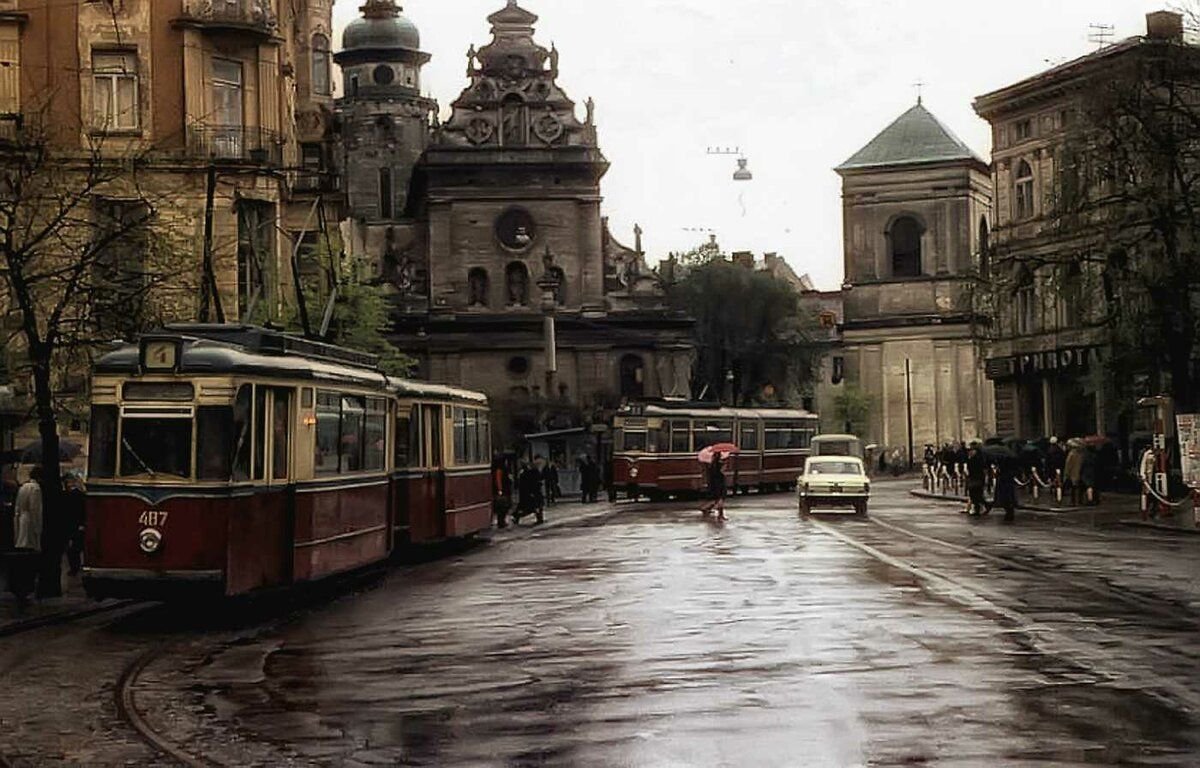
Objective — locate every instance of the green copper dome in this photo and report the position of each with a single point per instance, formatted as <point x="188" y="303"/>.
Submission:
<point x="381" y="26"/>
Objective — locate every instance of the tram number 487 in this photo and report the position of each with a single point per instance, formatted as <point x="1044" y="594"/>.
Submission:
<point x="153" y="518"/>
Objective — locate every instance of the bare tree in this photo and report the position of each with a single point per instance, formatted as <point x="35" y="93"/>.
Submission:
<point x="78" y="257"/>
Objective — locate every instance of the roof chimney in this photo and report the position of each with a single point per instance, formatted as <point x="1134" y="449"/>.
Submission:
<point x="744" y="259"/>
<point x="1164" y="25"/>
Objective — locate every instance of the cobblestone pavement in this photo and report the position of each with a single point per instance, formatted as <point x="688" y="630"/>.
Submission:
<point x="653" y="637"/>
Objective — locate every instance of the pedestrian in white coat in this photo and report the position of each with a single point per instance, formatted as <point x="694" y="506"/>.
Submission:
<point x="27" y="537"/>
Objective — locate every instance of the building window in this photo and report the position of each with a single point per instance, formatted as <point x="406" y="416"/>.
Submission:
<point x="1070" y="296"/>
<point x="383" y="75"/>
<point x="1024" y="130"/>
<point x="227" y="110"/>
<point x="386" y="197"/>
<point x="985" y="247"/>
<point x="1024" y="191"/>
<point x="10" y="77"/>
<point x="518" y="366"/>
<point x="633" y="377"/>
<point x="321" y="79"/>
<point x="115" y="91"/>
<point x="353" y="85"/>
<point x="905" y="240"/>
<point x="1025" y="304"/>
<point x="516" y="277"/>
<point x="477" y="286"/>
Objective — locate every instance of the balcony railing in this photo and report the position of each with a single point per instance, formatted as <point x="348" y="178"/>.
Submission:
<point x="253" y="16"/>
<point x="236" y="143"/>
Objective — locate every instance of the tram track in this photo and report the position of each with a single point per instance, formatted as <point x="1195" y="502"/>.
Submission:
<point x="127" y="708"/>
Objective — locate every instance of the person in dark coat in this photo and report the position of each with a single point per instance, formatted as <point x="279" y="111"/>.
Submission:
<point x="1089" y="476"/>
<point x="74" y="511"/>
<point x="589" y="479"/>
<point x="1056" y="462"/>
<point x="977" y="468"/>
<point x="529" y="489"/>
<point x="550" y="476"/>
<point x="714" y="473"/>
<point x="1006" y="487"/>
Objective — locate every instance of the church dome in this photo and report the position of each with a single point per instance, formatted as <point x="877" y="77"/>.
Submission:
<point x="381" y="26"/>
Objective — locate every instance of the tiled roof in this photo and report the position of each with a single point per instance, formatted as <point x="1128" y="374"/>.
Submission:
<point x="916" y="137"/>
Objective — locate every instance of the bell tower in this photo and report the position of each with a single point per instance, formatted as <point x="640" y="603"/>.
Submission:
<point x="385" y="119"/>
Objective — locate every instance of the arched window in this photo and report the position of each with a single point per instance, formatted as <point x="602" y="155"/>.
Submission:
<point x="633" y="377"/>
<point x="477" y="287"/>
<point x="321" y="70"/>
<point x="985" y="247"/>
<point x="516" y="276"/>
<point x="1023" y="192"/>
<point x="905" y="239"/>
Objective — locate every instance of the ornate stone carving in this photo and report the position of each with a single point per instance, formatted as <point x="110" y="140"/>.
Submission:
<point x="548" y="127"/>
<point x="480" y="130"/>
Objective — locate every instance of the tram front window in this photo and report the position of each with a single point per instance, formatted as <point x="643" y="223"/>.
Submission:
<point x="156" y="447"/>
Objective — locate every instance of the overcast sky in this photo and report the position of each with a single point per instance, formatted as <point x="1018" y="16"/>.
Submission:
<point x="799" y="85"/>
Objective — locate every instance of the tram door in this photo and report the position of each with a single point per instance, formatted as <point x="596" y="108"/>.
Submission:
<point x="262" y="529"/>
<point x="434" y="424"/>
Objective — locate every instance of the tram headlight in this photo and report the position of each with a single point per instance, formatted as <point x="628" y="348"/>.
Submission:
<point x="150" y="541"/>
<point x="633" y="472"/>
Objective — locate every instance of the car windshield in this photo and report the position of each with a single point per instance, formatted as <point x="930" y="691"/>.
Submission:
<point x="156" y="447"/>
<point x="833" y="468"/>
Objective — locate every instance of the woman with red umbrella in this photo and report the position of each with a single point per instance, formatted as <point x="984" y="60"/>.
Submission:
<point x="714" y="458"/>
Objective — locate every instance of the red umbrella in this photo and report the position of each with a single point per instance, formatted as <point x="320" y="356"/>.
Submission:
<point x="707" y="455"/>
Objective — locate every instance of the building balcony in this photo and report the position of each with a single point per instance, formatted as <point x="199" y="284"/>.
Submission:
<point x="10" y="128"/>
<point x="236" y="144"/>
<point x="309" y="182"/>
<point x="254" y="18"/>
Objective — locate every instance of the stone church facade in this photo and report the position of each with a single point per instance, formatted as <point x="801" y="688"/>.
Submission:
<point x="491" y="222"/>
<point x="916" y="203"/>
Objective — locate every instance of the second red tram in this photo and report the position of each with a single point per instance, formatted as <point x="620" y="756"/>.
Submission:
<point x="231" y="459"/>
<point x="655" y="447"/>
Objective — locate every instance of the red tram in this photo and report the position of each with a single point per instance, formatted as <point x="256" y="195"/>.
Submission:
<point x="230" y="459"/>
<point x="655" y="447"/>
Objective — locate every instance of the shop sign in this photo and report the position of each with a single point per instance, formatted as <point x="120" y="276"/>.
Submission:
<point x="1037" y="362"/>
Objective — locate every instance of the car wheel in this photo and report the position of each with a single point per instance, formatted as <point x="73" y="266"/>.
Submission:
<point x="805" y="509"/>
<point x="860" y="508"/>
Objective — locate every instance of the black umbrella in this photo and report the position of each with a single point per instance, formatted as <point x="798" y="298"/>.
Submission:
<point x="998" y="452"/>
<point x="32" y="453"/>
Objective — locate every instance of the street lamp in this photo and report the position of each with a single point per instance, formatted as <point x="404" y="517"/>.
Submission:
<point x="549" y="283"/>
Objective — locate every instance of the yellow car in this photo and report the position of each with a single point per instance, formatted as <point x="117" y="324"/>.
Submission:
<point x="834" y="481"/>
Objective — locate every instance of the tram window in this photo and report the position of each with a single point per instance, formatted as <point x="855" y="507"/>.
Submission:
<point x="214" y="437"/>
<point x="241" y="428"/>
<point x="328" y="422"/>
<point x="353" y="412"/>
<point x="635" y="442"/>
<point x="280" y="430"/>
<point x="102" y="450"/>
<point x="749" y="437"/>
<point x="711" y="433"/>
<point x="472" y="432"/>
<point x="156" y="446"/>
<point x="459" y="417"/>
<point x="775" y="436"/>
<point x="306" y="397"/>
<point x="485" y="437"/>
<point x="681" y="437"/>
<point x="375" y="447"/>
<point x="431" y="421"/>
<point x="260" y="433"/>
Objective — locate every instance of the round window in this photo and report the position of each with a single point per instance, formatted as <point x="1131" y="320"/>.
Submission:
<point x="515" y="229"/>
<point x="383" y="75"/>
<point x="518" y="366"/>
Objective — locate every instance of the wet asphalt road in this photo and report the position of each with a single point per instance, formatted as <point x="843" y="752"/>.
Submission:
<point x="656" y="638"/>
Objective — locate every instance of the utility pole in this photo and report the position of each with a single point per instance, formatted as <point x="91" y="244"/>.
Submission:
<point x="208" y="280"/>
<point x="908" y="401"/>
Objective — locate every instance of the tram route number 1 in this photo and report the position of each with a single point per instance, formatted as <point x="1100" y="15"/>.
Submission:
<point x="153" y="518"/>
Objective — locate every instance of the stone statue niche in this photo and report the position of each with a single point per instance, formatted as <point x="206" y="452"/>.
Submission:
<point x="477" y="288"/>
<point x="517" y="277"/>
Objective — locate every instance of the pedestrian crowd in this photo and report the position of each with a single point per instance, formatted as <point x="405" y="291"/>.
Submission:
<point x="36" y="538"/>
<point x="1075" y="472"/>
<point x="525" y="488"/>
